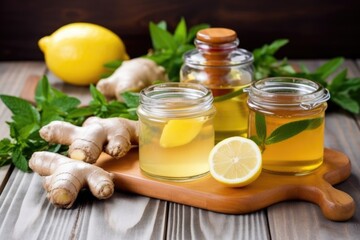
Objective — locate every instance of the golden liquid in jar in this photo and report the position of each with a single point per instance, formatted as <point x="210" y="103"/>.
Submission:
<point x="297" y="155"/>
<point x="182" y="162"/>
<point x="231" y="118"/>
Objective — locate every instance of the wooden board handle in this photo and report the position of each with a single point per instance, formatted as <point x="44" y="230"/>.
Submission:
<point x="336" y="205"/>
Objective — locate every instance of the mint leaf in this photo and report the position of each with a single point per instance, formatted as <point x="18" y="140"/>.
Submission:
<point x="329" y="67"/>
<point x="131" y="99"/>
<point x="287" y="131"/>
<point x="19" y="160"/>
<point x="260" y="126"/>
<point x="180" y="32"/>
<point x="347" y="103"/>
<point x="161" y="38"/>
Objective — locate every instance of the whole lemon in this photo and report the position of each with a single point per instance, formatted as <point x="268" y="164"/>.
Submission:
<point x="77" y="52"/>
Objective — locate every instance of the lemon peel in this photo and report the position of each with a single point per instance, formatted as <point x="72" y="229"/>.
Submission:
<point x="77" y="52"/>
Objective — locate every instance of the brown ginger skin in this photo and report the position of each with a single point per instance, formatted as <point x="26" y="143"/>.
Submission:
<point x="133" y="75"/>
<point x="65" y="177"/>
<point x="115" y="136"/>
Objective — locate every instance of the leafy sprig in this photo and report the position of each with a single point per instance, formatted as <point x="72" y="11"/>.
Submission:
<point x="168" y="49"/>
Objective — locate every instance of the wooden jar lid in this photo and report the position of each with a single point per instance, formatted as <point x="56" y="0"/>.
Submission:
<point x="216" y="35"/>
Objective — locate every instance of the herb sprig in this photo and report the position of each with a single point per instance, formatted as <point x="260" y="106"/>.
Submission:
<point x="168" y="49"/>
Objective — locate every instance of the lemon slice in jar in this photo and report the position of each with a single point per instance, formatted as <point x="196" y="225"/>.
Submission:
<point x="235" y="161"/>
<point x="178" y="132"/>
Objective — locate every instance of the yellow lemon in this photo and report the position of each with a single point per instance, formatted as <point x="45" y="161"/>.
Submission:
<point x="235" y="161"/>
<point x="178" y="132"/>
<point x="77" y="52"/>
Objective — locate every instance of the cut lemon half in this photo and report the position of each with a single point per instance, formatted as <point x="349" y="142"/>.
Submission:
<point x="235" y="161"/>
<point x="178" y="132"/>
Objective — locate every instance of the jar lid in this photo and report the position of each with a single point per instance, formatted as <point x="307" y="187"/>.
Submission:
<point x="216" y="35"/>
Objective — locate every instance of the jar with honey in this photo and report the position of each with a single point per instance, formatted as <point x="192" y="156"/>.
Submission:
<point x="226" y="70"/>
<point x="286" y="120"/>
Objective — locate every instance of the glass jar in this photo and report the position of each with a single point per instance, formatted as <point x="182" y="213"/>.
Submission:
<point x="286" y="120"/>
<point x="221" y="66"/>
<point x="176" y="130"/>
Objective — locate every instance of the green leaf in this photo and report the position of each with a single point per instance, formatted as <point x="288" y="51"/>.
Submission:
<point x="161" y="39"/>
<point x="260" y="126"/>
<point x="97" y="96"/>
<point x="24" y="112"/>
<point x="347" y="103"/>
<point x="276" y="45"/>
<point x="287" y="131"/>
<point x="315" y="123"/>
<point x="19" y="160"/>
<point x="180" y="32"/>
<point x="113" y="64"/>
<point x="338" y="81"/>
<point x="131" y="99"/>
<point x="329" y="67"/>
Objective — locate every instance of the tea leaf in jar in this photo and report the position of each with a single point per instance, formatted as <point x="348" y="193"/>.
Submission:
<point x="283" y="132"/>
<point x="260" y="126"/>
<point x="286" y="131"/>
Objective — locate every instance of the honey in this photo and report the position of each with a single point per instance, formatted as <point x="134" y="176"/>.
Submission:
<point x="286" y="120"/>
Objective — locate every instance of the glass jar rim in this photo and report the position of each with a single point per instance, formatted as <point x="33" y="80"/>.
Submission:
<point x="241" y="56"/>
<point x="175" y="99"/>
<point x="288" y="91"/>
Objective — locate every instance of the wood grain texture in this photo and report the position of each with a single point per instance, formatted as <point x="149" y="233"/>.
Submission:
<point x="343" y="134"/>
<point x="124" y="216"/>
<point x="12" y="78"/>
<point x="315" y="28"/>
<point x="25" y="212"/>
<point x="193" y="223"/>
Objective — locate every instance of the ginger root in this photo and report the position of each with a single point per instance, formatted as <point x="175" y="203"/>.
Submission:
<point x="133" y="75"/>
<point x="115" y="136"/>
<point x="65" y="178"/>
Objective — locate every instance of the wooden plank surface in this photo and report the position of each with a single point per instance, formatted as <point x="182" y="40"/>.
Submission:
<point x="26" y="214"/>
<point x="12" y="78"/>
<point x="301" y="220"/>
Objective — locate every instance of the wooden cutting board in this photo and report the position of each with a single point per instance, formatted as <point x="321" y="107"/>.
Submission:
<point x="268" y="189"/>
<point x="206" y="193"/>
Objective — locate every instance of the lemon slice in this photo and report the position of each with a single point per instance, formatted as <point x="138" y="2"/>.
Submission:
<point x="235" y="161"/>
<point x="179" y="132"/>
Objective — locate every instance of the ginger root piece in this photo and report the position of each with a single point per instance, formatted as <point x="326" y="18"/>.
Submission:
<point x="115" y="136"/>
<point x="133" y="75"/>
<point x="65" y="177"/>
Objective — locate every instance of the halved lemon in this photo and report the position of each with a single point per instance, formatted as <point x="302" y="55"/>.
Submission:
<point x="235" y="161"/>
<point x="178" y="132"/>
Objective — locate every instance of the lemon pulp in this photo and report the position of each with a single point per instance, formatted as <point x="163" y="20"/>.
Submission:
<point x="235" y="161"/>
<point x="178" y="132"/>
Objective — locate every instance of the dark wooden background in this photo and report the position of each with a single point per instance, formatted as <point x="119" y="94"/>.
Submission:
<point x="315" y="28"/>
